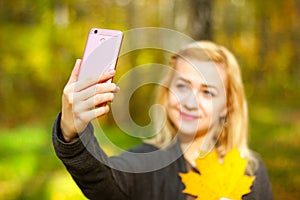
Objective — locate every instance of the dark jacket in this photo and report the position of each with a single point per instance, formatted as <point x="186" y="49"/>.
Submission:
<point x="142" y="173"/>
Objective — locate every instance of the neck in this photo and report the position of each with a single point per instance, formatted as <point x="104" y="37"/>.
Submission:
<point x="191" y="148"/>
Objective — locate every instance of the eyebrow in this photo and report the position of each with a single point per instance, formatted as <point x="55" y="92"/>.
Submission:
<point x="202" y="85"/>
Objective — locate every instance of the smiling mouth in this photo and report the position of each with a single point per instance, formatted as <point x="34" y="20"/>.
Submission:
<point x="188" y="117"/>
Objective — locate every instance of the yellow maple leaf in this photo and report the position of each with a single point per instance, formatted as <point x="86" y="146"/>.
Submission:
<point x="218" y="180"/>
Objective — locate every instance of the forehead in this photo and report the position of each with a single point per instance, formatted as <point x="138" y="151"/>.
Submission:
<point x="201" y="72"/>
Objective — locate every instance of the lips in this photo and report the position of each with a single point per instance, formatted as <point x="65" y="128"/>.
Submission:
<point x="188" y="117"/>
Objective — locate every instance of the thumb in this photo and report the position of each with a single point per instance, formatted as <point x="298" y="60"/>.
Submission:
<point x="75" y="72"/>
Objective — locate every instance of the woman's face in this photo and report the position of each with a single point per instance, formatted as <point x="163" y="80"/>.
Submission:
<point x="197" y="97"/>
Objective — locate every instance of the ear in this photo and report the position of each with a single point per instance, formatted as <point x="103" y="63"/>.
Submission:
<point x="223" y="112"/>
<point x="223" y="115"/>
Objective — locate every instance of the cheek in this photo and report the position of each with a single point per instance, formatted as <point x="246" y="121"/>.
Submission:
<point x="219" y="108"/>
<point x="172" y="100"/>
<point x="172" y="108"/>
<point x="206" y="104"/>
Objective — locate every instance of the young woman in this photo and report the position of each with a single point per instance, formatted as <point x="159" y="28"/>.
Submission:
<point x="205" y="109"/>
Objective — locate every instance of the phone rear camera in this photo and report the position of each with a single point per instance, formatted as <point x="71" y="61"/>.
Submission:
<point x="95" y="31"/>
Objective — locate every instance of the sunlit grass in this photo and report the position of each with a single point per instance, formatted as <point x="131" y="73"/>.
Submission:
<point x="30" y="170"/>
<point x="62" y="187"/>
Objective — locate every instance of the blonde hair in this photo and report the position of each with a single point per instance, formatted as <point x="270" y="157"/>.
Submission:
<point x="235" y="130"/>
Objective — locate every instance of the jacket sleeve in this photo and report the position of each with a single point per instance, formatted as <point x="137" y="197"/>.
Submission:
<point x="263" y="183"/>
<point x="87" y="165"/>
<point x="261" y="189"/>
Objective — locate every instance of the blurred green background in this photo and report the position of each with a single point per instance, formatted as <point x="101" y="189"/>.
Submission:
<point x="40" y="40"/>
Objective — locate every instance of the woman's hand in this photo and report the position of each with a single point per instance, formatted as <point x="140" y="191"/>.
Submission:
<point x="81" y="100"/>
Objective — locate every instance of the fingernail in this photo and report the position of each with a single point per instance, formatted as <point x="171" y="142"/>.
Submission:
<point x="77" y="61"/>
<point x="117" y="88"/>
<point x="111" y="71"/>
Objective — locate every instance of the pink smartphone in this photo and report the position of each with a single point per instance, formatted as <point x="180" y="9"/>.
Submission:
<point x="101" y="52"/>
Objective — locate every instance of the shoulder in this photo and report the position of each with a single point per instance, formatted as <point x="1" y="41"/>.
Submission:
<point x="261" y="173"/>
<point x="262" y="187"/>
<point x="258" y="164"/>
<point x="143" y="148"/>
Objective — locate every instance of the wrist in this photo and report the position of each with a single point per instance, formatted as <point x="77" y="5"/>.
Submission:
<point x="71" y="139"/>
<point x="68" y="134"/>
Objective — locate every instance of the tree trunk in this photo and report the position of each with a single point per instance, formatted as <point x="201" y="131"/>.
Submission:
<point x="200" y="20"/>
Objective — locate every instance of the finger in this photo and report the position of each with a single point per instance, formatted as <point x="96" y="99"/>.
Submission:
<point x="92" y="80"/>
<point x="99" y="99"/>
<point x="82" y="106"/>
<point x="107" y="75"/>
<point x="96" y="89"/>
<point x="95" y="113"/>
<point x="101" y="110"/>
<point x="91" y="103"/>
<point x="75" y="72"/>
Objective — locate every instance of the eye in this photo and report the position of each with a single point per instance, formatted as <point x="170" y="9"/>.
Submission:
<point x="209" y="93"/>
<point x="182" y="87"/>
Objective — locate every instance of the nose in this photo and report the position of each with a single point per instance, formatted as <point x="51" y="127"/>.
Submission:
<point x="190" y="102"/>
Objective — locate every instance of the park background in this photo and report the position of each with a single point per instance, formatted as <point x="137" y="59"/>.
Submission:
<point x="40" y="40"/>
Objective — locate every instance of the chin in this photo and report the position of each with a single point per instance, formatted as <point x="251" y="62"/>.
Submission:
<point x="187" y="132"/>
<point x="191" y="133"/>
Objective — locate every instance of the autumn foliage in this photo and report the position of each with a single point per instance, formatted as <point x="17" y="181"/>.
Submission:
<point x="217" y="179"/>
